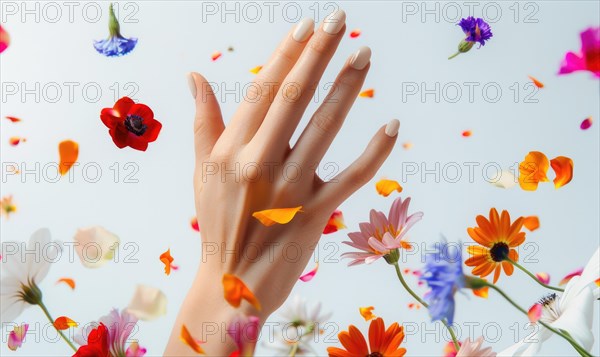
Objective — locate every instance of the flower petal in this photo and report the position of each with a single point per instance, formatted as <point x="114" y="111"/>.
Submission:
<point x="270" y="217"/>
<point x="235" y="290"/>
<point x="543" y="277"/>
<point x="70" y="282"/>
<point x="64" y="323"/>
<point x="310" y="275"/>
<point x="355" y="33"/>
<point x="147" y="303"/>
<point x="531" y="223"/>
<point x="384" y="187"/>
<point x="187" y="338"/>
<point x="256" y="69"/>
<point x="16" y="336"/>
<point x="335" y="222"/>
<point x="194" y="224"/>
<point x="368" y="93"/>
<point x="563" y="167"/>
<point x="167" y="259"/>
<point x="586" y="123"/>
<point x="367" y="312"/>
<point x="535" y="312"/>
<point x="536" y="82"/>
<point x="68" y="151"/>
<point x="533" y="170"/>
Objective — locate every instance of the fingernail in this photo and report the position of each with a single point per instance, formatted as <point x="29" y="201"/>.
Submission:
<point x="391" y="129"/>
<point x="192" y="85"/>
<point x="334" y="22"/>
<point x="360" y="58"/>
<point x="303" y="30"/>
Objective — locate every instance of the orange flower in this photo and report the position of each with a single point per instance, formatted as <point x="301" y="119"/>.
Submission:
<point x="497" y="237"/>
<point x="533" y="170"/>
<point x="382" y="342"/>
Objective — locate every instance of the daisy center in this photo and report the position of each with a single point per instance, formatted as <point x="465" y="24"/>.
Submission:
<point x="135" y="124"/>
<point x="499" y="252"/>
<point x="375" y="354"/>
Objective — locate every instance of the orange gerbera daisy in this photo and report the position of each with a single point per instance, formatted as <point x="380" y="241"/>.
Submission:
<point x="382" y="342"/>
<point x="497" y="237"/>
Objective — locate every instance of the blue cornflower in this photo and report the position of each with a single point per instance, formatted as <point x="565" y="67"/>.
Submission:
<point x="115" y="45"/>
<point x="477" y="30"/>
<point x="444" y="276"/>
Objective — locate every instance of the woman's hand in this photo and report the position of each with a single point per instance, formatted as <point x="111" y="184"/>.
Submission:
<point x="249" y="166"/>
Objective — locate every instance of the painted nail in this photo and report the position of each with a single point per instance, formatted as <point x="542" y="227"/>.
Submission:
<point x="303" y="30"/>
<point x="360" y="58"/>
<point x="192" y="84"/>
<point x="391" y="129"/>
<point x="334" y="22"/>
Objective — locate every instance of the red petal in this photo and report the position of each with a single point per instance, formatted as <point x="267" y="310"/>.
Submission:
<point x="123" y="105"/>
<point x="142" y="111"/>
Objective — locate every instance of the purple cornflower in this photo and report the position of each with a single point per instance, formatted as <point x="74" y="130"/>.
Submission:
<point x="444" y="276"/>
<point x="476" y="29"/>
<point x="115" y="45"/>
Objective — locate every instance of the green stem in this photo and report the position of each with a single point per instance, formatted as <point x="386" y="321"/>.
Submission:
<point x="293" y="350"/>
<point x="422" y="302"/>
<point x="533" y="276"/>
<point x="564" y="335"/>
<point x="45" y="310"/>
<point x="454" y="55"/>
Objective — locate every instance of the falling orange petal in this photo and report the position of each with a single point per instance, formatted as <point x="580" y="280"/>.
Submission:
<point x="536" y="82"/>
<point x="16" y="140"/>
<point x="194" y="224"/>
<point x="167" y="259"/>
<point x="570" y="276"/>
<point x="384" y="187"/>
<point x="563" y="167"/>
<point x="531" y="223"/>
<point x="215" y="56"/>
<point x="407" y="145"/>
<point x="235" y="290"/>
<point x="467" y="133"/>
<point x="355" y="33"/>
<point x="533" y="170"/>
<point x="586" y="123"/>
<point x="7" y="207"/>
<point x="63" y="323"/>
<point x="68" y="151"/>
<point x="369" y="93"/>
<point x="535" y="312"/>
<point x="406" y="271"/>
<point x="597" y="282"/>
<point x="367" y="312"/>
<point x="187" y="338"/>
<point x="543" y="277"/>
<point x="482" y="293"/>
<point x="310" y="275"/>
<point x="13" y="119"/>
<point x="67" y="281"/>
<point x="256" y="69"/>
<point x="335" y="222"/>
<point x="269" y="217"/>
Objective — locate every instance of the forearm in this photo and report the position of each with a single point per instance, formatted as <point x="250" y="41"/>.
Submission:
<point x="206" y="314"/>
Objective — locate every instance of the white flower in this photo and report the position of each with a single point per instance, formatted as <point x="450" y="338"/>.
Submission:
<point x="573" y="312"/>
<point x="95" y="246"/>
<point x="301" y="323"/>
<point x="148" y="303"/>
<point x="22" y="272"/>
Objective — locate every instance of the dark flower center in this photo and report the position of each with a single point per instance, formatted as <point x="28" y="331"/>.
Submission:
<point x="375" y="354"/>
<point x="135" y="124"/>
<point x="499" y="252"/>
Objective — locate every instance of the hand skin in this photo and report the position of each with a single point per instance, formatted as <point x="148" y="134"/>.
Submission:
<point x="270" y="259"/>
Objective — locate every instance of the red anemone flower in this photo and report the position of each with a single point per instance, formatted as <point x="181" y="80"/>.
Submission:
<point x="131" y="124"/>
<point x="97" y="344"/>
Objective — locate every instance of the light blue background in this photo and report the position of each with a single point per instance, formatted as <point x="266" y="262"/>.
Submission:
<point x="154" y="213"/>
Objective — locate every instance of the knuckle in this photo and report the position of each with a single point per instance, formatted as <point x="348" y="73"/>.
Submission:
<point x="319" y="45"/>
<point x="323" y="123"/>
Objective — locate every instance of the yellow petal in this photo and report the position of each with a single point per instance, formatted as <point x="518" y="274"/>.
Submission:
<point x="269" y="217"/>
<point x="256" y="69"/>
<point x="68" y="151"/>
<point x="187" y="338"/>
<point x="385" y="187"/>
<point x="235" y="291"/>
<point x="367" y="312"/>
<point x="533" y="170"/>
<point x="369" y="93"/>
<point x="563" y="167"/>
<point x="483" y="292"/>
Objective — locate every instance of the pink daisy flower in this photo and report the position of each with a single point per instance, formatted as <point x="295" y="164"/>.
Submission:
<point x="382" y="235"/>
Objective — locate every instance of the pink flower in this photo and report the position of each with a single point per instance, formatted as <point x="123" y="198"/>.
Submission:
<point x="382" y="235"/>
<point x="472" y="349"/>
<point x="589" y="57"/>
<point x="120" y="326"/>
<point x="244" y="330"/>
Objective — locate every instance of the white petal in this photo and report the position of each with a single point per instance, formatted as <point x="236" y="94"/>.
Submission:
<point x="39" y="263"/>
<point x="590" y="273"/>
<point x="95" y="246"/>
<point x="148" y="303"/>
<point x="529" y="346"/>
<point x="577" y="319"/>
